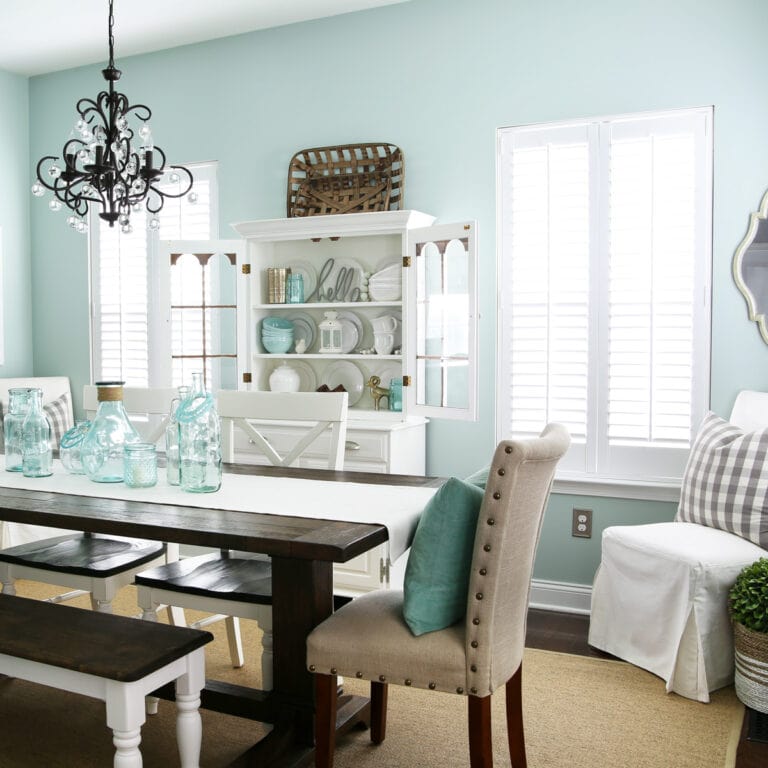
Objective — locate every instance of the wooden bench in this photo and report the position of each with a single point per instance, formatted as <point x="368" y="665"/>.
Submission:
<point x="115" y="659"/>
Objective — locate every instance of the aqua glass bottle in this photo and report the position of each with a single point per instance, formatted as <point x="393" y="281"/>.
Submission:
<point x="70" y="446"/>
<point x="199" y="440"/>
<point x="36" y="449"/>
<point x="102" y="449"/>
<point x="18" y="403"/>
<point x="172" y="439"/>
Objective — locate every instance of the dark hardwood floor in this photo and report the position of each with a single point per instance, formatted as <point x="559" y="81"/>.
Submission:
<point x="567" y="633"/>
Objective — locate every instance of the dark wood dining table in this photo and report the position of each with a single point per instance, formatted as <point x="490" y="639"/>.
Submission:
<point x="303" y="551"/>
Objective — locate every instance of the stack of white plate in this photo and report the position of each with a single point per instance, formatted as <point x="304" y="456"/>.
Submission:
<point x="386" y="284"/>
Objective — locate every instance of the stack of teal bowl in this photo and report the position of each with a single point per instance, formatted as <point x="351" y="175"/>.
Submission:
<point x="276" y="335"/>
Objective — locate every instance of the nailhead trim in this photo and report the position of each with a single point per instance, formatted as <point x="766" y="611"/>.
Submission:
<point x="311" y="667"/>
<point x="496" y="495"/>
<point x="483" y="571"/>
<point x="487" y="547"/>
<point x="474" y="667"/>
<point x="508" y="449"/>
<point x="382" y="679"/>
<point x="474" y="643"/>
<point x="459" y="690"/>
<point x="491" y="521"/>
<point x="475" y="621"/>
<point x="333" y="670"/>
<point x="479" y="595"/>
<point x="408" y="681"/>
<point x="502" y="471"/>
<point x="473" y="690"/>
<point x="432" y="686"/>
<point x="358" y="674"/>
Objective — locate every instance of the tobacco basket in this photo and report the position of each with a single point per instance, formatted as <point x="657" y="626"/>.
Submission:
<point x="348" y="178"/>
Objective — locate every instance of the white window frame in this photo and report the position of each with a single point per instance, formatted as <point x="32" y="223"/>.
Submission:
<point x="586" y="475"/>
<point x="158" y="285"/>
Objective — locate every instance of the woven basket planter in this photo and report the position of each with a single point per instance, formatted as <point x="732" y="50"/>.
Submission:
<point x="751" y="677"/>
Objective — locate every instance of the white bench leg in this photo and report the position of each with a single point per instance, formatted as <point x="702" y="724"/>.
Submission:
<point x="235" y="641"/>
<point x="127" y="753"/>
<point x="9" y="583"/>
<point x="189" y="724"/>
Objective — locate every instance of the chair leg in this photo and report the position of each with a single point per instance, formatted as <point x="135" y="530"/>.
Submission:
<point x="267" y="656"/>
<point x="325" y="720"/>
<point x="378" y="711"/>
<point x="515" y="733"/>
<point x="235" y="643"/>
<point x="480" y="742"/>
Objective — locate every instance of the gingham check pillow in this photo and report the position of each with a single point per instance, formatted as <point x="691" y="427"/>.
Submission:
<point x="725" y="484"/>
<point x="57" y="412"/>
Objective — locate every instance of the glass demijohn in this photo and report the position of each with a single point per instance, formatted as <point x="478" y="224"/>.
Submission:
<point x="172" y="439"/>
<point x="199" y="440"/>
<point x="102" y="449"/>
<point x="36" y="451"/>
<point x="18" y="402"/>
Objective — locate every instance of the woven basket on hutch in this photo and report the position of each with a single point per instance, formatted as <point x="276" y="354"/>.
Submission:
<point x="348" y="178"/>
<point x="751" y="676"/>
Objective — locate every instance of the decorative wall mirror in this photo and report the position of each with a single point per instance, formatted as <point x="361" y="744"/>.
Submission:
<point x="750" y="267"/>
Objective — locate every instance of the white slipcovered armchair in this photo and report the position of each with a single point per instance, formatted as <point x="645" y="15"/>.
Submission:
<point x="660" y="596"/>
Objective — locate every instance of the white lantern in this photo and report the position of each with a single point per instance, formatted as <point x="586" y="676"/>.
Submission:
<point x="330" y="333"/>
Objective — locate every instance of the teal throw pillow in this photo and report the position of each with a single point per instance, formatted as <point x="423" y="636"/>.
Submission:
<point x="479" y="478"/>
<point x="437" y="574"/>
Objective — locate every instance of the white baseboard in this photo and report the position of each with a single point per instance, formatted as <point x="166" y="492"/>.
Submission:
<point x="560" y="596"/>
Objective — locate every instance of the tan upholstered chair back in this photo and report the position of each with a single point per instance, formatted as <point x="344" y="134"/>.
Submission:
<point x="505" y="545"/>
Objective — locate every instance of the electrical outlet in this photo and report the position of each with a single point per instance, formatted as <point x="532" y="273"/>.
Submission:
<point x="581" y="524"/>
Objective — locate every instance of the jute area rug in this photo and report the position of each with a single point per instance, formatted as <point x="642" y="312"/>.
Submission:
<point x="579" y="713"/>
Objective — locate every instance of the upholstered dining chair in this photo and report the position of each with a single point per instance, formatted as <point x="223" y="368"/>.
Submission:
<point x="95" y="564"/>
<point x="370" y="639"/>
<point x="231" y="585"/>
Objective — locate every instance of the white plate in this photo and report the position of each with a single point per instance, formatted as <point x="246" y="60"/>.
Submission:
<point x="348" y="318"/>
<point x="336" y="280"/>
<point x="307" y="271"/>
<point x="307" y="378"/>
<point x="349" y="335"/>
<point x="348" y="375"/>
<point x="303" y="328"/>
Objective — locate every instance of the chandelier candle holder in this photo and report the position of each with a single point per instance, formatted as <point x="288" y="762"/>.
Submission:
<point x="110" y="160"/>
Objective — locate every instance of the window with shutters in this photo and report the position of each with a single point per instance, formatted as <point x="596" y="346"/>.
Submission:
<point x="604" y="288"/>
<point x="134" y="286"/>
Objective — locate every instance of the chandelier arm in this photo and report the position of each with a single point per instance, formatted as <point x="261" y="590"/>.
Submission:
<point x="185" y="190"/>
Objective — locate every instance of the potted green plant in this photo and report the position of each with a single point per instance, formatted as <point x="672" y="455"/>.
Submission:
<point x="748" y="602"/>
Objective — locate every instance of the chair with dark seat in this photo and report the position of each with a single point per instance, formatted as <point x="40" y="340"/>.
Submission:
<point x="228" y="584"/>
<point x="370" y="639"/>
<point x="93" y="563"/>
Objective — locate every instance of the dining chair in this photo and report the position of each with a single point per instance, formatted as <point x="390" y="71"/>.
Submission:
<point x="88" y="563"/>
<point x="231" y="585"/>
<point x="369" y="638"/>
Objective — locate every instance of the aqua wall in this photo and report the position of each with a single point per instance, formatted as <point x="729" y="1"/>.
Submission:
<point x="437" y="78"/>
<point x="15" y="280"/>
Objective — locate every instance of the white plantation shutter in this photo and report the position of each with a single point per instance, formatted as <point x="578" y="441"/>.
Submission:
<point x="129" y="331"/>
<point x="604" y="266"/>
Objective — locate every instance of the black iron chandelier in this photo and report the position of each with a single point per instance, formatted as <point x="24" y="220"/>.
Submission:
<point x="109" y="163"/>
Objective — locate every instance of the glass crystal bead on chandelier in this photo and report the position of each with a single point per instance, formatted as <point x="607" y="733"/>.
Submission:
<point x="110" y="160"/>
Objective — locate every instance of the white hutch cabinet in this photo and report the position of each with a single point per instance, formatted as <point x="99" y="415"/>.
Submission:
<point x="434" y="346"/>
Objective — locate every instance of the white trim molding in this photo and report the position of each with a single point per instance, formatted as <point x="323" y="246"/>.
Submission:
<point x="560" y="596"/>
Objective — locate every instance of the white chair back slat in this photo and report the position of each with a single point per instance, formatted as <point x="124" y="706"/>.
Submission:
<point x="151" y="403"/>
<point x="321" y="412"/>
<point x="750" y="411"/>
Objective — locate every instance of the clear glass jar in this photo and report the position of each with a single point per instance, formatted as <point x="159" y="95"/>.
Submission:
<point x="102" y="449"/>
<point x="172" y="439"/>
<point x="18" y="403"/>
<point x="70" y="446"/>
<point x="36" y="450"/>
<point x="140" y="465"/>
<point x="199" y="440"/>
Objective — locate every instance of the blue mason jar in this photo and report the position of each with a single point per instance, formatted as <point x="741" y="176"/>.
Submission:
<point x="395" y="394"/>
<point x="70" y="446"/>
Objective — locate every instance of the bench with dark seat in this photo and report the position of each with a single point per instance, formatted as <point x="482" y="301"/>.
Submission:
<point x="115" y="659"/>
